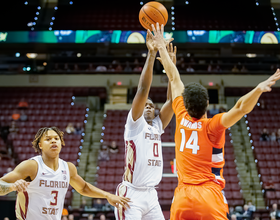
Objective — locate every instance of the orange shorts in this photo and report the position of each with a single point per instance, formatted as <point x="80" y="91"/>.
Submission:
<point x="199" y="202"/>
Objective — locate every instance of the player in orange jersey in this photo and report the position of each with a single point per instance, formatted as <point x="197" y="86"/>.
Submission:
<point x="199" y="142"/>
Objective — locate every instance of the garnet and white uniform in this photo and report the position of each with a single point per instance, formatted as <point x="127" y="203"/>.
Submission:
<point x="44" y="197"/>
<point x="143" y="171"/>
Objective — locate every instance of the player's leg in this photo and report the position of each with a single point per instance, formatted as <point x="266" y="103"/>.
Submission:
<point x="155" y="214"/>
<point x="135" y="211"/>
<point x="204" y="201"/>
<point x="153" y="209"/>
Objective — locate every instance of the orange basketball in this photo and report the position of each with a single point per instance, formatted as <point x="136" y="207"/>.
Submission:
<point x="151" y="13"/>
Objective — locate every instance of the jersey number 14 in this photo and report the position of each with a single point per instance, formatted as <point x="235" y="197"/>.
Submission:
<point x="191" y="143"/>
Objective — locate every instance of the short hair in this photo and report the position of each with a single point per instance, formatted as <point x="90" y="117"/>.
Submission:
<point x="150" y="99"/>
<point x="41" y="132"/>
<point x="195" y="99"/>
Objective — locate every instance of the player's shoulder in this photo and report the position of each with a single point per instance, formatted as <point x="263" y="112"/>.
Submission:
<point x="28" y="168"/>
<point x="132" y="122"/>
<point x="216" y="118"/>
<point x="28" y="164"/>
<point x="72" y="168"/>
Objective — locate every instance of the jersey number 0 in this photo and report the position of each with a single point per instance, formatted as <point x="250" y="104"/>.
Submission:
<point x="191" y="143"/>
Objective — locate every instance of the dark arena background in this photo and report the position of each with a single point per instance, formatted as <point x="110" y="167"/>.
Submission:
<point x="78" y="62"/>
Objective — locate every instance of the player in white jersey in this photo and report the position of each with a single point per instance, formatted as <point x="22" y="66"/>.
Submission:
<point x="42" y="181"/>
<point x="143" y="149"/>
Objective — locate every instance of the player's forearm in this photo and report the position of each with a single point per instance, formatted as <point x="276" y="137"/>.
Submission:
<point x="247" y="102"/>
<point x="146" y="77"/>
<point x="176" y="84"/>
<point x="169" y="67"/>
<point x="169" y="94"/>
<point x="5" y="188"/>
<point x="94" y="192"/>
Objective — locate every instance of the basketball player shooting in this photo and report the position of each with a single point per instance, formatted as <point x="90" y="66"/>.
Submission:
<point x="143" y="149"/>
<point x="199" y="142"/>
<point x="42" y="181"/>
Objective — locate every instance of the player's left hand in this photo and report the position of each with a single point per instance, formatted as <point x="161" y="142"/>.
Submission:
<point x="118" y="201"/>
<point x="265" y="86"/>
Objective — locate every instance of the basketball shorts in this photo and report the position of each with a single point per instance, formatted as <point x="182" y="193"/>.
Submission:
<point x="199" y="202"/>
<point x="144" y="205"/>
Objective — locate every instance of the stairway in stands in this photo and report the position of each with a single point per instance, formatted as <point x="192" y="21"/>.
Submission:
<point x="246" y="165"/>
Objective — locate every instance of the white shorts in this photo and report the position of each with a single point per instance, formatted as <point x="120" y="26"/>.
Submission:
<point x="144" y="205"/>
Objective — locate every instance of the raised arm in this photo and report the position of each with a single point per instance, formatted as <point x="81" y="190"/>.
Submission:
<point x="86" y="189"/>
<point x="14" y="181"/>
<point x="145" y="80"/>
<point x="177" y="86"/>
<point x="166" y="111"/>
<point x="247" y="102"/>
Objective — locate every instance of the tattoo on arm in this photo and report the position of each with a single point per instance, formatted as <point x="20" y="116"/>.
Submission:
<point x="5" y="188"/>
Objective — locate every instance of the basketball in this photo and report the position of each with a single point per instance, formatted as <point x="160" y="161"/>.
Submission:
<point x="151" y="13"/>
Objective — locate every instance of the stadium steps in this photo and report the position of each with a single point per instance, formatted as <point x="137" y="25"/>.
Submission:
<point x="246" y="166"/>
<point x="88" y="163"/>
<point x="92" y="152"/>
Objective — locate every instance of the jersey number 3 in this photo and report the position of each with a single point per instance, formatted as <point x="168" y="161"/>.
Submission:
<point x="191" y="143"/>
<point x="55" y="194"/>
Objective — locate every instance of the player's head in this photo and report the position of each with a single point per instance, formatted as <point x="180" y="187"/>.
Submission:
<point x="195" y="99"/>
<point x="49" y="139"/>
<point x="149" y="110"/>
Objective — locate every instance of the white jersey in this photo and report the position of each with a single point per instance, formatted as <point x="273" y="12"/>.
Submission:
<point x="143" y="152"/>
<point x="44" y="198"/>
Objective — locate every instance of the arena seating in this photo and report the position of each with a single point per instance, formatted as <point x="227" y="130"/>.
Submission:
<point x="200" y="63"/>
<point x="232" y="189"/>
<point x="257" y="65"/>
<point x="98" y="16"/>
<point x="266" y="152"/>
<point x="218" y="16"/>
<point x="47" y="107"/>
<point x="17" y="15"/>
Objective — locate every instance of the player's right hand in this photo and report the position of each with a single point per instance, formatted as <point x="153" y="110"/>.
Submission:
<point x="157" y="35"/>
<point x="265" y="86"/>
<point x="20" y="185"/>
<point x="118" y="201"/>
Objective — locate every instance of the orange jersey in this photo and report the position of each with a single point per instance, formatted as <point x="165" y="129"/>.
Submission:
<point x="199" y="147"/>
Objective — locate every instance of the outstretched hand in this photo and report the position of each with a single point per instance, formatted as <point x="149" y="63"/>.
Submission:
<point x="150" y="43"/>
<point x="118" y="201"/>
<point x="265" y="86"/>
<point x="150" y="38"/>
<point x="172" y="53"/>
<point x="157" y="36"/>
